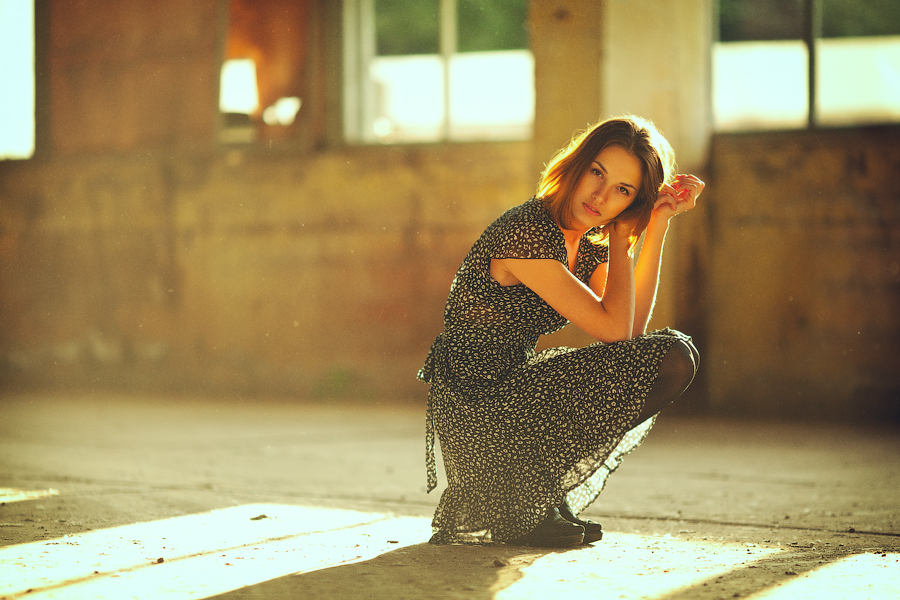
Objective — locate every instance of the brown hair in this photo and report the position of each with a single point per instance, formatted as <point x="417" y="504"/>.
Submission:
<point x="633" y="134"/>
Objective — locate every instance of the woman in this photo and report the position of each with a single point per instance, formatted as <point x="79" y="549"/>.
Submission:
<point x="528" y="439"/>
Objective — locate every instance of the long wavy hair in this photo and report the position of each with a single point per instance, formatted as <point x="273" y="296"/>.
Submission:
<point x="636" y="135"/>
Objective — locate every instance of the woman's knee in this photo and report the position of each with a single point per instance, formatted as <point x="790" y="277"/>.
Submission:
<point x="676" y="371"/>
<point x="681" y="363"/>
<point x="695" y="354"/>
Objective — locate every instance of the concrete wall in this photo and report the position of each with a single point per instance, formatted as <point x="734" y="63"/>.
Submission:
<point x="138" y="252"/>
<point x="245" y="272"/>
<point x="119" y="76"/>
<point x="803" y="274"/>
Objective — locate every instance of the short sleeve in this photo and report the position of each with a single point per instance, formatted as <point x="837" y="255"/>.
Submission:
<point x="589" y="256"/>
<point x="527" y="231"/>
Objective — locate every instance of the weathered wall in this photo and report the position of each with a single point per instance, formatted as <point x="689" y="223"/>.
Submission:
<point x="136" y="251"/>
<point x="128" y="75"/>
<point x="803" y="274"/>
<point x="253" y="273"/>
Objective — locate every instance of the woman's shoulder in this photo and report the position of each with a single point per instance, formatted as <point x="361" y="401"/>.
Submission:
<point x="530" y="213"/>
<point x="526" y="231"/>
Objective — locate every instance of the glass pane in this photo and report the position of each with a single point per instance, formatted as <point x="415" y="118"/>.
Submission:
<point x="753" y="20"/>
<point x="414" y="94"/>
<point x="407" y="27"/>
<point x="492" y="95"/>
<point x="858" y="80"/>
<point x="17" y="135"/>
<point x="492" y="25"/>
<point x="408" y="97"/>
<point x="853" y="18"/>
<point x="760" y="85"/>
<point x="238" y="92"/>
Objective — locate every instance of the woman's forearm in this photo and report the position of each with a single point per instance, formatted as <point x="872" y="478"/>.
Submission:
<point x="646" y="274"/>
<point x="619" y="296"/>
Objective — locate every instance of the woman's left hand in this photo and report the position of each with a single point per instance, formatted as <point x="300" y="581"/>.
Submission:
<point x="679" y="197"/>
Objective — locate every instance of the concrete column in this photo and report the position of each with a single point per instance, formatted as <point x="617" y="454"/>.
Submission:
<point x="603" y="58"/>
<point x="565" y="39"/>
<point x="657" y="65"/>
<point x="566" y="42"/>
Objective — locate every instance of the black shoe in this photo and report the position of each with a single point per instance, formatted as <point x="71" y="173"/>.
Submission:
<point x="553" y="532"/>
<point x="592" y="531"/>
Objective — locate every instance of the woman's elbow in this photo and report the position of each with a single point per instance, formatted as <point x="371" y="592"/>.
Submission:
<point x="624" y="337"/>
<point x="614" y="327"/>
<point x="610" y="336"/>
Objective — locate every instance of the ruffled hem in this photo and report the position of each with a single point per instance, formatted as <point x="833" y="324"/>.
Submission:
<point x="579" y="478"/>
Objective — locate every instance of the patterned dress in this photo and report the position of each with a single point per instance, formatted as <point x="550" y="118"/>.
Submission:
<point x="520" y="431"/>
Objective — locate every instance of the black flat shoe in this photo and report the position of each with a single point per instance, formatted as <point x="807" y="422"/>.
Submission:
<point x="553" y="532"/>
<point x="592" y="531"/>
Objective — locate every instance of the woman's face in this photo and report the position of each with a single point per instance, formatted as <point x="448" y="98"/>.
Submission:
<point x="609" y="186"/>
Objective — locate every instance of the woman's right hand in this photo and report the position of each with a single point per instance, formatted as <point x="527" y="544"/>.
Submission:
<point x="679" y="197"/>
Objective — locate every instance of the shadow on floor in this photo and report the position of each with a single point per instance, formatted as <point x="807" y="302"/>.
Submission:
<point x="420" y="571"/>
<point x="793" y="565"/>
<point x="480" y="572"/>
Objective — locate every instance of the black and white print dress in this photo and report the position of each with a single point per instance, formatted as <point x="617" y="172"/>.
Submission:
<point x="520" y="431"/>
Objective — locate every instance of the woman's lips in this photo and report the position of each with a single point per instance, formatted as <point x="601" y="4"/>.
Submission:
<point x="590" y="209"/>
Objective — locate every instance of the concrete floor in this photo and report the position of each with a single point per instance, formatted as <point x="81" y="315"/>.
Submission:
<point x="150" y="497"/>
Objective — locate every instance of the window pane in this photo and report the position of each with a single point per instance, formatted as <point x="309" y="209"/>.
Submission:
<point x="760" y="85"/>
<point x="238" y="92"/>
<point x="858" y="80"/>
<point x="492" y="95"/>
<point x="408" y="79"/>
<point x="17" y="137"/>
<point x="492" y="25"/>
<point x="406" y="27"/>
<point x="753" y="20"/>
<point x="858" y="62"/>
<point x="853" y="18"/>
<point x="409" y="97"/>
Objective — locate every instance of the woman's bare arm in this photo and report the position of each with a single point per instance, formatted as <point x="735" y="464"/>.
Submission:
<point x="646" y="274"/>
<point x="673" y="200"/>
<point x="608" y="317"/>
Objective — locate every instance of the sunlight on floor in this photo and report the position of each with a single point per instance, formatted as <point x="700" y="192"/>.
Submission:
<point x="14" y="495"/>
<point x="860" y="576"/>
<point x="198" y="556"/>
<point x="627" y="565"/>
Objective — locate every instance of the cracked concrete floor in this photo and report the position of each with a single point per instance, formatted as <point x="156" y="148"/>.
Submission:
<point x="114" y="496"/>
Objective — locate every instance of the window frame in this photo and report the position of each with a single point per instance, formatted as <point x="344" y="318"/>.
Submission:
<point x="359" y="51"/>
<point x="812" y="32"/>
<point x="313" y="125"/>
<point x="811" y="37"/>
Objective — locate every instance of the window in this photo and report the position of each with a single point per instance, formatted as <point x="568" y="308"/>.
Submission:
<point x="263" y="74"/>
<point x="17" y="134"/>
<point x="431" y="70"/>
<point x="764" y="76"/>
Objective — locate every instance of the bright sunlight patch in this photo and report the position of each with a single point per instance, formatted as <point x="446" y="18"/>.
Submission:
<point x="198" y="556"/>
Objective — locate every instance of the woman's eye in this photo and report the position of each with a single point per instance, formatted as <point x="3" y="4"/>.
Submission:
<point x="624" y="191"/>
<point x="596" y="172"/>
